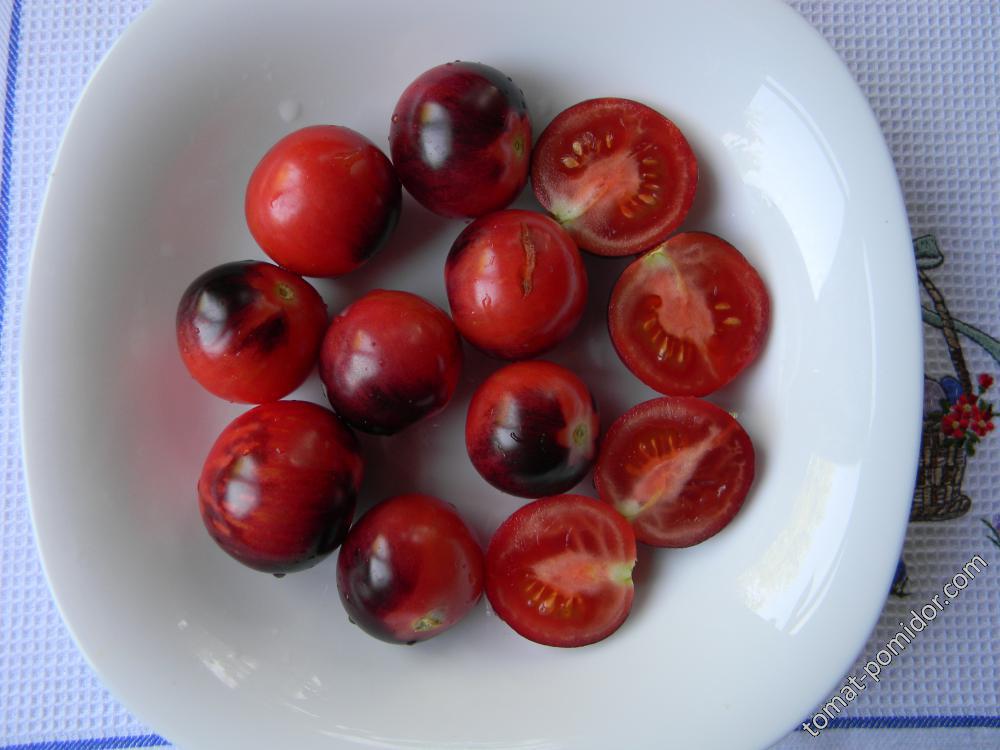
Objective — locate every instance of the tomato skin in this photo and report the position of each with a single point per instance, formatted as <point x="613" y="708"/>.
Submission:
<point x="532" y="429"/>
<point x="279" y="486"/>
<point x="250" y="332"/>
<point x="322" y="201"/>
<point x="690" y="315"/>
<point x="559" y="571"/>
<point x="678" y="468"/>
<point x="460" y="139"/>
<point x="388" y="360"/>
<point x="409" y="569"/>
<point x="516" y="284"/>
<point x="618" y="175"/>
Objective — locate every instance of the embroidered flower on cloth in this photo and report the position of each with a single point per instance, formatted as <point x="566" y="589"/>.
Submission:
<point x="970" y="417"/>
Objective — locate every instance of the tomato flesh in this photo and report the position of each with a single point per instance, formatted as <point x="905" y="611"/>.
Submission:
<point x="678" y="469"/>
<point x="688" y="316"/>
<point x="617" y="175"/>
<point x="559" y="571"/>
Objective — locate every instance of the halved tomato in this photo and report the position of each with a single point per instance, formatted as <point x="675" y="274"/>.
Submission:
<point x="688" y="316"/>
<point x="559" y="570"/>
<point x="617" y="175"/>
<point x="678" y="469"/>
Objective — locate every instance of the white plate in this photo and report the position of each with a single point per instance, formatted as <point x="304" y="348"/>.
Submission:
<point x="730" y="644"/>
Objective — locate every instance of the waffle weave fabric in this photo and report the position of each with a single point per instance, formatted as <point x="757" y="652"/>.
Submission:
<point x="929" y="70"/>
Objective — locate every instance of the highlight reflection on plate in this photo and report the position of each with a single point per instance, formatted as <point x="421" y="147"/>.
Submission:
<point x="729" y="643"/>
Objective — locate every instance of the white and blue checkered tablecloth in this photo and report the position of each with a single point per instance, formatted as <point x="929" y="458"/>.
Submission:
<point x="931" y="71"/>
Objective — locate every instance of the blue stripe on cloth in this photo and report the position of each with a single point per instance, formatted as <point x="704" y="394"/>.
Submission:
<point x="6" y="156"/>
<point x="843" y="722"/>
<point x="106" y="743"/>
<point x="908" y="722"/>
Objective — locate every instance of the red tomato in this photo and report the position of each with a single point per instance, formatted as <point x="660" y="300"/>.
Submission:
<point x="688" y="316"/>
<point x="322" y="201"/>
<point x="532" y="429"/>
<point x="516" y="284"/>
<point x="279" y="486"/>
<point x="389" y="360"/>
<point x="409" y="569"/>
<point x="461" y="139"/>
<point x="250" y="332"/>
<point x="677" y="468"/>
<point x="617" y="175"/>
<point x="559" y="570"/>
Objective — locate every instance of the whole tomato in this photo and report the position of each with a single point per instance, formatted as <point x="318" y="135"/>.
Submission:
<point x="249" y="331"/>
<point x="516" y="284"/>
<point x="388" y="360"/>
<point x="532" y="429"/>
<point x="409" y="569"/>
<point x="460" y="139"/>
<point x="279" y="486"/>
<point x="322" y="201"/>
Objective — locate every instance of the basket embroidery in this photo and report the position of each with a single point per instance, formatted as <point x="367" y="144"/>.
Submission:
<point x="963" y="415"/>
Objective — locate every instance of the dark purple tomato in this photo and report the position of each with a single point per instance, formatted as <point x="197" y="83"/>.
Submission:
<point x="516" y="284"/>
<point x="409" y="569"/>
<point x="322" y="201"/>
<point x="388" y="360"/>
<point x="249" y="331"/>
<point x="532" y="429"/>
<point x="279" y="486"/>
<point x="460" y="139"/>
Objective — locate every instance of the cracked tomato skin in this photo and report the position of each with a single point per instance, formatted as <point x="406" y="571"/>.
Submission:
<point x="389" y="360"/>
<point x="532" y="429"/>
<point x="559" y="571"/>
<point x="690" y="315"/>
<point x="516" y="284"/>
<point x="677" y="468"/>
<point x="322" y="201"/>
<point x="617" y="175"/>
<point x="250" y="332"/>
<point x="278" y="489"/>
<point x="409" y="569"/>
<point x="460" y="139"/>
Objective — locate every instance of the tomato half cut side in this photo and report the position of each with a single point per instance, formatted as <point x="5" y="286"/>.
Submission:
<point x="678" y="469"/>
<point x="559" y="570"/>
<point x="690" y="315"/>
<point x="618" y="175"/>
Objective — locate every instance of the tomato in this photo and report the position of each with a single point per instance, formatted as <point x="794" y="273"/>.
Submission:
<point x="461" y="139"/>
<point x="388" y="360"/>
<point x="409" y="569"/>
<point x="688" y="316"/>
<point x="559" y="570"/>
<point x="677" y="468"/>
<point x="322" y="201"/>
<point x="249" y="331"/>
<point x="617" y="175"/>
<point x="516" y="284"/>
<point x="278" y="489"/>
<point x="532" y="429"/>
